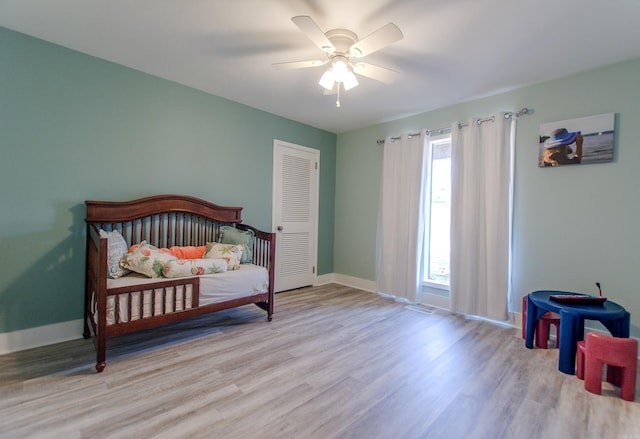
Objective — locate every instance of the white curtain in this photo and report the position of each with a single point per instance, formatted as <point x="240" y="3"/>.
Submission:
<point x="401" y="218"/>
<point x="481" y="197"/>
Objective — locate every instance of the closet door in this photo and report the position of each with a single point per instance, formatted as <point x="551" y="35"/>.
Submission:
<point x="295" y="214"/>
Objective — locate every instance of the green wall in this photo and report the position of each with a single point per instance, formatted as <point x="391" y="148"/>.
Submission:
<point x="574" y="225"/>
<point x="74" y="127"/>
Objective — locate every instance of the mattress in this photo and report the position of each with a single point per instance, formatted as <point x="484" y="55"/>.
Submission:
<point x="248" y="280"/>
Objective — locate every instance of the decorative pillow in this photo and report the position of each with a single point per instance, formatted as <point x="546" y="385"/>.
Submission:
<point x="229" y="252"/>
<point x="188" y="252"/>
<point x="193" y="267"/>
<point x="231" y="235"/>
<point x="147" y="259"/>
<point x="116" y="250"/>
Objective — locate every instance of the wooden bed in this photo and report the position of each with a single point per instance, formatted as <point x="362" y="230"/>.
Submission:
<point x="162" y="221"/>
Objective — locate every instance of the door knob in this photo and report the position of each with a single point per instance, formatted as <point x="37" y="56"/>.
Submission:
<point x="280" y="228"/>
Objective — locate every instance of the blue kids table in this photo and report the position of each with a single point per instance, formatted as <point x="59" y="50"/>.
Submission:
<point x="572" y="316"/>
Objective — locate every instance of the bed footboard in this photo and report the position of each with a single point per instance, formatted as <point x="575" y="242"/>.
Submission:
<point x="264" y="253"/>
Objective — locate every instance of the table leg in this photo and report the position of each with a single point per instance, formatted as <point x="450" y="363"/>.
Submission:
<point x="569" y="330"/>
<point x="534" y="312"/>
<point x="532" y="318"/>
<point x="624" y="327"/>
<point x="619" y="327"/>
<point x="580" y="333"/>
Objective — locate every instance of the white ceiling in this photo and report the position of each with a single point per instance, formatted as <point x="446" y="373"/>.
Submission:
<point x="452" y="50"/>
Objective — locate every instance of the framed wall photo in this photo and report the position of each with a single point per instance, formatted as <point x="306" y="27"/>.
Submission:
<point x="577" y="141"/>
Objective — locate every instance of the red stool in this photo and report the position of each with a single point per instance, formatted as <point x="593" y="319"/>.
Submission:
<point x="619" y="354"/>
<point x="542" y="327"/>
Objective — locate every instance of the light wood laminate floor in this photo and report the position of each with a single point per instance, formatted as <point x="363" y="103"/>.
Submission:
<point x="335" y="362"/>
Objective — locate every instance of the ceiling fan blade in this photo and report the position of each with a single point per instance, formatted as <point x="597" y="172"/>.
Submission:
<point x="380" y="38"/>
<point x="375" y="72"/>
<point x="314" y="33"/>
<point x="299" y="64"/>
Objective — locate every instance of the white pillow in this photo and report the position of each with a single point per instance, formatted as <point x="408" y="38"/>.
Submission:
<point x="232" y="253"/>
<point x="193" y="267"/>
<point x="116" y="249"/>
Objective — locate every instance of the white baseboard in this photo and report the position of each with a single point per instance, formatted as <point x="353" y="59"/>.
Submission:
<point x="349" y="281"/>
<point x="323" y="279"/>
<point x="428" y="299"/>
<point x="436" y="301"/>
<point x="40" y="336"/>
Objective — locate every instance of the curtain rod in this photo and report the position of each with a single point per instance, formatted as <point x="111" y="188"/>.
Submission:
<point x="508" y="115"/>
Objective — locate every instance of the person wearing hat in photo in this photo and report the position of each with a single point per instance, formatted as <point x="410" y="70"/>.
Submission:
<point x="557" y="148"/>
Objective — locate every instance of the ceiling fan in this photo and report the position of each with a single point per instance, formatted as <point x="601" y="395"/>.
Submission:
<point x="343" y="50"/>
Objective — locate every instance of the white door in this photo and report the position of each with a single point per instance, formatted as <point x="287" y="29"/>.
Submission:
<point x="295" y="214"/>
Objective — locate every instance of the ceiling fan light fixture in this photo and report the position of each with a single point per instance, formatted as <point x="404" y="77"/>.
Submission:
<point x="327" y="80"/>
<point x="340" y="72"/>
<point x="339" y="69"/>
<point x="349" y="81"/>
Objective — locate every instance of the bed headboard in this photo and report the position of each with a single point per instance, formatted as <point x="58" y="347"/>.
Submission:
<point x="163" y="220"/>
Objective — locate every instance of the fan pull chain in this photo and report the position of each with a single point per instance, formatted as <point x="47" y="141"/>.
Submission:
<point x="338" y="98"/>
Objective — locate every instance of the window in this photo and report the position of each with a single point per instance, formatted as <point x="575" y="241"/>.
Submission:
<point x="438" y="213"/>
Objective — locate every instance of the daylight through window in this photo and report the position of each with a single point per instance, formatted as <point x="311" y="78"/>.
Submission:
<point x="438" y="215"/>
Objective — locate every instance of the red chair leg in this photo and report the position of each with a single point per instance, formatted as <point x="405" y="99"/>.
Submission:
<point x="542" y="329"/>
<point x="628" y="383"/>
<point x="593" y="374"/>
<point x="556" y="323"/>
<point x="580" y="360"/>
<point x="542" y="333"/>
<point x="614" y="375"/>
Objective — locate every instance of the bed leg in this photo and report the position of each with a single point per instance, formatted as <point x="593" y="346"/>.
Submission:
<point x="87" y="332"/>
<point x="266" y="306"/>
<point x="101" y="351"/>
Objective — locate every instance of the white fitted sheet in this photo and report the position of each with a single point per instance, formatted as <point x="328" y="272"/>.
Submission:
<point x="248" y="280"/>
